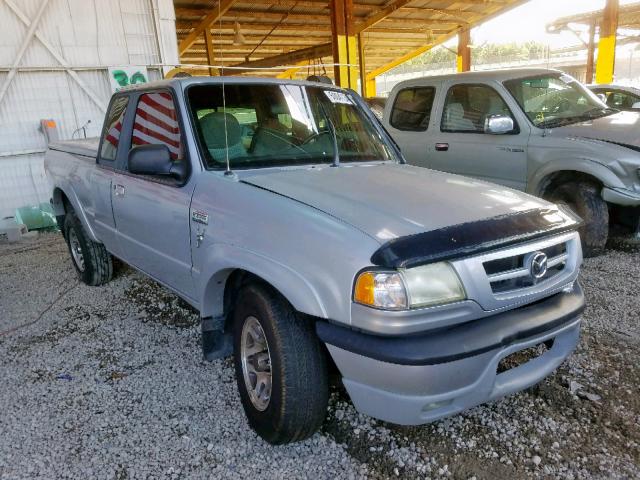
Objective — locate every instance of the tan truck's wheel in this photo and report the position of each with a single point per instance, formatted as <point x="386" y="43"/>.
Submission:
<point x="585" y="200"/>
<point x="90" y="259"/>
<point x="281" y="369"/>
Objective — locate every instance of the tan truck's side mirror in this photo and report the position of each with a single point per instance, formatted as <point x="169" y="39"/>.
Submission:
<point x="498" y="124"/>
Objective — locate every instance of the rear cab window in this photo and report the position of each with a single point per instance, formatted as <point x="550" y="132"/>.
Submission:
<point x="467" y="106"/>
<point x="411" y="109"/>
<point x="112" y="130"/>
<point x="156" y="123"/>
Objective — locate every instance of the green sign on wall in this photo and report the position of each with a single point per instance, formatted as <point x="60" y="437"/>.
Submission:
<point x="130" y="75"/>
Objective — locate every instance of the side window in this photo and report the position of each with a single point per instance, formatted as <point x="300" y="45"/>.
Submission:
<point x="112" y="129"/>
<point x="156" y="122"/>
<point x="467" y="106"/>
<point x="619" y="99"/>
<point x="412" y="109"/>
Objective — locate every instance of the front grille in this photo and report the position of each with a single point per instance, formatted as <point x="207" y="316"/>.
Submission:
<point x="514" y="273"/>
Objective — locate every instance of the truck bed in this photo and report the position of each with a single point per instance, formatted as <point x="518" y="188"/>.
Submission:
<point x="85" y="147"/>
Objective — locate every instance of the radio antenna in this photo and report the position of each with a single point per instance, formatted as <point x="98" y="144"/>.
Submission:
<point x="227" y="172"/>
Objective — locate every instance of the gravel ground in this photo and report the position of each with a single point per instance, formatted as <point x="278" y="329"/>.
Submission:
<point x="109" y="382"/>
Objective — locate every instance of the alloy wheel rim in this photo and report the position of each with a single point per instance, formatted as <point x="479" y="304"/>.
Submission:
<point x="76" y="250"/>
<point x="256" y="363"/>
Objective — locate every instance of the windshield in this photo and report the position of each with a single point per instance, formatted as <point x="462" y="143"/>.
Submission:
<point x="553" y="100"/>
<point x="265" y="125"/>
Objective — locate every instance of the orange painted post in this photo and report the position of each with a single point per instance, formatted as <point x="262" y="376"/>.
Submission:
<point x="345" y="50"/>
<point x="591" y="47"/>
<point x="463" y="60"/>
<point x="208" y="41"/>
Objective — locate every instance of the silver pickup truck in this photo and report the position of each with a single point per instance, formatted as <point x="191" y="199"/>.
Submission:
<point x="535" y="130"/>
<point x="284" y="213"/>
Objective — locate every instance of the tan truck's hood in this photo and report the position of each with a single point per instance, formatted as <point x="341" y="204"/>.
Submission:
<point x="388" y="201"/>
<point x="621" y="128"/>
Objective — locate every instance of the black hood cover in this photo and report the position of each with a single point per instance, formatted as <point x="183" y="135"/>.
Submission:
<point x="474" y="237"/>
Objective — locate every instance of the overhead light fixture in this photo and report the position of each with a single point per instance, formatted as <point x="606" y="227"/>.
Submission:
<point x="238" y="37"/>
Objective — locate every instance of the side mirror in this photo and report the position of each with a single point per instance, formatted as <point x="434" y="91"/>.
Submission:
<point x="155" y="160"/>
<point x="636" y="106"/>
<point x="498" y="124"/>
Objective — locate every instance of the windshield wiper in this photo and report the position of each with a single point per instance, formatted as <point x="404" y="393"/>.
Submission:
<point x="599" y="112"/>
<point x="334" y="137"/>
<point x="588" y="115"/>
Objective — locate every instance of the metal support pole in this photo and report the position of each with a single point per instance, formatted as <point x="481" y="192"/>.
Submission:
<point x="345" y="51"/>
<point x="591" y="47"/>
<point x="363" y="68"/>
<point x="607" y="44"/>
<point x="463" y="60"/>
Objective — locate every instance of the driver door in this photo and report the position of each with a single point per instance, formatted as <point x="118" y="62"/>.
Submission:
<point x="461" y="145"/>
<point x="152" y="213"/>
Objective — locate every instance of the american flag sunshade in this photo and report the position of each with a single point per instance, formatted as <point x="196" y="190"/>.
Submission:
<point x="156" y="122"/>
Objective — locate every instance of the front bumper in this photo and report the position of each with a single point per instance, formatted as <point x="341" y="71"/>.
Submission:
<point x="416" y="379"/>
<point x="619" y="196"/>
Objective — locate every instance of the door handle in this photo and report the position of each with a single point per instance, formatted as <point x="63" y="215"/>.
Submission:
<point x="442" y="147"/>
<point x="118" y="190"/>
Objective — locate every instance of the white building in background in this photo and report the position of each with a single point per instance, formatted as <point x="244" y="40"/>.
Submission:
<point x="57" y="61"/>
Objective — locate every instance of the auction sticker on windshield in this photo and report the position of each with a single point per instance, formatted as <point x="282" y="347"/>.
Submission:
<point x="338" y="97"/>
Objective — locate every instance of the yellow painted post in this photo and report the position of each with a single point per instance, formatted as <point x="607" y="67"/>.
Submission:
<point x="463" y="60"/>
<point x="345" y="49"/>
<point x="370" y="85"/>
<point x="607" y="44"/>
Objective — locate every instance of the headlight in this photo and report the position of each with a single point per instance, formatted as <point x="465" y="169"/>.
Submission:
<point x="381" y="290"/>
<point x="427" y="285"/>
<point x="433" y="284"/>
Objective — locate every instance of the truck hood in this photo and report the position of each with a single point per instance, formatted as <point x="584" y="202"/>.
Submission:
<point x="621" y="128"/>
<point x="388" y="201"/>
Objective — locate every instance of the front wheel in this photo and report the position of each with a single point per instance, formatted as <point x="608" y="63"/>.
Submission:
<point x="281" y="369"/>
<point x="584" y="199"/>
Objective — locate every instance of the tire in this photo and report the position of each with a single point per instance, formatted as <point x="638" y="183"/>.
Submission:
<point x="91" y="259"/>
<point x="296" y="404"/>
<point x="584" y="199"/>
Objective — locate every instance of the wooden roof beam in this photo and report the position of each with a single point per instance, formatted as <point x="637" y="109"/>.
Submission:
<point x="291" y="58"/>
<point x="381" y="14"/>
<point x="214" y="15"/>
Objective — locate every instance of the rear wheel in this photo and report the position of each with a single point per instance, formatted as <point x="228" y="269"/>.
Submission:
<point x="584" y="198"/>
<point x="90" y="259"/>
<point x="281" y="369"/>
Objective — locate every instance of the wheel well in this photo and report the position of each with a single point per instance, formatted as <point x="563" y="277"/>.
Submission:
<point x="234" y="283"/>
<point x="554" y="180"/>
<point x="61" y="206"/>
<point x="239" y="278"/>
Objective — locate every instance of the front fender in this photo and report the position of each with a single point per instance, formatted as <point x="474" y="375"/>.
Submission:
<point x="582" y="165"/>
<point x="222" y="259"/>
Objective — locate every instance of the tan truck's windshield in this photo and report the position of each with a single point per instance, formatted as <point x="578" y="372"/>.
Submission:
<point x="271" y="124"/>
<point x="555" y="100"/>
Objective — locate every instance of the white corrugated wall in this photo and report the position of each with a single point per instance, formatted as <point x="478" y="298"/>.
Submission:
<point x="62" y="74"/>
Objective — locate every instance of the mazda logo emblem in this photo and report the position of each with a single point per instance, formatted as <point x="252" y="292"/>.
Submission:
<point x="538" y="266"/>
